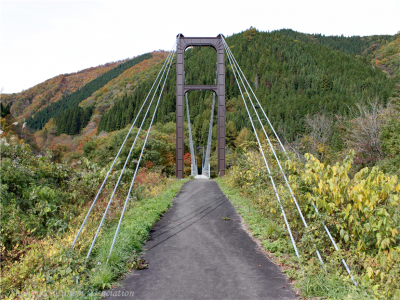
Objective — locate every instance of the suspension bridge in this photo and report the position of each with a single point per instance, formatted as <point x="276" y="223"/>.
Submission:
<point x="191" y="255"/>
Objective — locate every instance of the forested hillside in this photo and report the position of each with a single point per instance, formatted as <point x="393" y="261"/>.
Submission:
<point x="387" y="57"/>
<point x="291" y="79"/>
<point x="380" y="50"/>
<point x="62" y="134"/>
<point x="355" y="45"/>
<point x="294" y="79"/>
<point x="28" y="102"/>
<point x="72" y="100"/>
<point x="293" y="74"/>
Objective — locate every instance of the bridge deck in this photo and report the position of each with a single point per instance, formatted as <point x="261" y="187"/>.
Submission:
<point x="196" y="253"/>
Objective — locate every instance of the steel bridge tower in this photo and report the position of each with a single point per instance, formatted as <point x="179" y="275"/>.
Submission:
<point x="182" y="89"/>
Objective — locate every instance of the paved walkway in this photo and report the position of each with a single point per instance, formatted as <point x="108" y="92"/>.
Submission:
<point x="199" y="250"/>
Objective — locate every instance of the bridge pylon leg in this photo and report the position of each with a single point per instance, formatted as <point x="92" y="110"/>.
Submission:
<point x="221" y="111"/>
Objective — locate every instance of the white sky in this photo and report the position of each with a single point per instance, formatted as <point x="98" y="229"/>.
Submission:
<point x="42" y="39"/>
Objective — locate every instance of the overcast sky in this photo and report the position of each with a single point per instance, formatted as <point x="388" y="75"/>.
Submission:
<point x="42" y="39"/>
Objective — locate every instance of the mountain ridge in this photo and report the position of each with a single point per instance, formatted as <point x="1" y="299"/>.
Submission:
<point x="286" y="69"/>
<point x="31" y="100"/>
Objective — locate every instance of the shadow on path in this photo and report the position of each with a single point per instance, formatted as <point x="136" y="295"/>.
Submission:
<point x="199" y="250"/>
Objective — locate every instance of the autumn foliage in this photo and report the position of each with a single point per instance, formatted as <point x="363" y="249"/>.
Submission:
<point x="30" y="101"/>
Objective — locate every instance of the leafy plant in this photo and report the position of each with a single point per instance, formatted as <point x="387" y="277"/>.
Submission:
<point x="360" y="209"/>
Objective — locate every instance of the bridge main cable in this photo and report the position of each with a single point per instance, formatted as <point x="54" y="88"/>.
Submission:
<point x="127" y="159"/>
<point x="116" y="158"/>
<point x="228" y="50"/>
<point x="298" y="207"/>
<point x="265" y="161"/>
<point x="283" y="173"/>
<point x="138" y="164"/>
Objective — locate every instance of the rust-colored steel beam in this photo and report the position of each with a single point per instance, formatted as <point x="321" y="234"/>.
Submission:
<point x="181" y="89"/>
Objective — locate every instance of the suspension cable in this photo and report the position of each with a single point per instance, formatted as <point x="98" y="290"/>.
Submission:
<point x="265" y="115"/>
<point x="336" y="247"/>
<point x="208" y="151"/>
<point x="116" y="158"/>
<point x="137" y="166"/>
<point x="266" y="163"/>
<point x="127" y="159"/>
<point x="192" y="156"/>
<point x="283" y="173"/>
<point x="297" y="205"/>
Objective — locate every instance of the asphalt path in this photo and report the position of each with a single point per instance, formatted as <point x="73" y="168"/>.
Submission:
<point x="200" y="250"/>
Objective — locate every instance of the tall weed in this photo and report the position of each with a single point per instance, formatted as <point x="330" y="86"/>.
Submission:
<point x="361" y="210"/>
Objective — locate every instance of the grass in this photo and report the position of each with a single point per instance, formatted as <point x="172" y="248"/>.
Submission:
<point x="319" y="284"/>
<point x="47" y="269"/>
<point x="133" y="233"/>
<point x="311" y="282"/>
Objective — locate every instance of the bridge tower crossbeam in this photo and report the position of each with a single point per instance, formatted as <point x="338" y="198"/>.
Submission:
<point x="182" y="89"/>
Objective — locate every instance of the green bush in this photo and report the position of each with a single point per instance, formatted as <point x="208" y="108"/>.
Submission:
<point x="361" y="211"/>
<point x="39" y="197"/>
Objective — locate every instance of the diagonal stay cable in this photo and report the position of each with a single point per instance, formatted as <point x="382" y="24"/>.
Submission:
<point x="137" y="166"/>
<point x="116" y="158"/>
<point x="208" y="151"/>
<point x="127" y="159"/>
<point x="336" y="247"/>
<point x="266" y="164"/>
<point x="192" y="156"/>
<point x="285" y="178"/>
<point x="283" y="173"/>
<point x="265" y="115"/>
